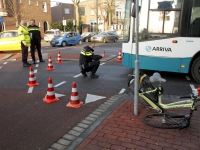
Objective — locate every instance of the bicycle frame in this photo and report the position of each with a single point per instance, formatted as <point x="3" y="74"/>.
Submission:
<point x="189" y="103"/>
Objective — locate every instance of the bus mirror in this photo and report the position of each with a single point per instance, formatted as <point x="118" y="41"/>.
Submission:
<point x="133" y="14"/>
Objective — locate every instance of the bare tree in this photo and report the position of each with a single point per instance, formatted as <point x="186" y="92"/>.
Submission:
<point x="76" y="4"/>
<point x="15" y="10"/>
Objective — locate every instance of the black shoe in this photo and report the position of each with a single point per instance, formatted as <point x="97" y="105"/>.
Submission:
<point x="84" y="74"/>
<point x="42" y="60"/>
<point x="93" y="76"/>
<point x="26" y="65"/>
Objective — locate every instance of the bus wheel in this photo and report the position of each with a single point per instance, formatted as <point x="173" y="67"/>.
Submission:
<point x="195" y="70"/>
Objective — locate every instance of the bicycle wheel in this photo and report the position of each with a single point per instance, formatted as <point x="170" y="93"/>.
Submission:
<point x="166" y="121"/>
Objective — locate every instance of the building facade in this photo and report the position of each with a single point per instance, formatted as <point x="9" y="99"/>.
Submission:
<point x="13" y="11"/>
<point x="62" y="11"/>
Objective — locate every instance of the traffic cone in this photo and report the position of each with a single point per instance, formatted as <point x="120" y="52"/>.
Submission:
<point x="50" y="97"/>
<point x="74" y="101"/>
<point x="119" y="58"/>
<point x="50" y="66"/>
<point x="32" y="81"/>
<point x="59" y="58"/>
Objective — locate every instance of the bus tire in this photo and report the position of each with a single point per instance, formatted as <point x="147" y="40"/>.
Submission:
<point x="195" y="70"/>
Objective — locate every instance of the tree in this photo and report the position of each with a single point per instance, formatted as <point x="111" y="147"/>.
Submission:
<point x="15" y="10"/>
<point x="76" y="4"/>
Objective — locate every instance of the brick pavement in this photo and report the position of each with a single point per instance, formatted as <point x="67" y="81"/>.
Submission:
<point x="122" y="130"/>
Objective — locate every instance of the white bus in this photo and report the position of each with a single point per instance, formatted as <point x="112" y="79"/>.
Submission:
<point x="169" y="36"/>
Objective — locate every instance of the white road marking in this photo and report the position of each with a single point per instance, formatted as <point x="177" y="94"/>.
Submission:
<point x="187" y="77"/>
<point x="92" y="98"/>
<point x="59" y="95"/>
<point x="59" y="84"/>
<point x="36" y="65"/>
<point x="5" y="63"/>
<point x="122" y="91"/>
<point x="77" y="75"/>
<point x="30" y="90"/>
<point x="35" y="71"/>
<point x="192" y="86"/>
<point x="102" y="63"/>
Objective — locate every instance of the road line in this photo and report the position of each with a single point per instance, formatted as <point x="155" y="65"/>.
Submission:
<point x="30" y="90"/>
<point x="187" y="77"/>
<point x="122" y="91"/>
<point x="5" y="63"/>
<point x="77" y="75"/>
<point x="192" y="86"/>
<point x="35" y="71"/>
<point x="59" y="84"/>
<point x="102" y="63"/>
<point x="36" y="65"/>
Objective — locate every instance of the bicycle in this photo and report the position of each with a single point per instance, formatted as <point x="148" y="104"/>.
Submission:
<point x="152" y="96"/>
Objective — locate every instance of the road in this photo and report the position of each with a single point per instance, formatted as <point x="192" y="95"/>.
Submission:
<point x="29" y="123"/>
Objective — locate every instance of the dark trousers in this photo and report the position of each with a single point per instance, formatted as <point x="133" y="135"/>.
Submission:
<point x="24" y="53"/>
<point x="91" y="66"/>
<point x="37" y="43"/>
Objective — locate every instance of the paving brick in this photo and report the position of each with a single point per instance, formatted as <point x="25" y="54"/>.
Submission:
<point x="116" y="147"/>
<point x="133" y="136"/>
<point x="90" y="119"/>
<point x="143" y="134"/>
<point x="93" y="134"/>
<point x="119" y="134"/>
<point x="172" y="141"/>
<point x="123" y="139"/>
<point x="64" y="142"/>
<point x="82" y="125"/>
<point x="93" y="147"/>
<point x="85" y="143"/>
<point x="191" y="145"/>
<point x="129" y="145"/>
<point x="58" y="146"/>
<point x="102" y="139"/>
<point x="104" y="144"/>
<point x="114" y="142"/>
<point x="109" y="136"/>
<point x="87" y="122"/>
<point x="155" y="147"/>
<point x="147" y="140"/>
<point x="178" y="147"/>
<point x="79" y="129"/>
<point x="74" y="133"/>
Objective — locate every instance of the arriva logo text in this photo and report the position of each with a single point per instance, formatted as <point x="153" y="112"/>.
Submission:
<point x="162" y="49"/>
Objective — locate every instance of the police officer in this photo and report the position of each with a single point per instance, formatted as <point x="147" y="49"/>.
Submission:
<point x="35" y="41"/>
<point x="89" y="62"/>
<point x="25" y="41"/>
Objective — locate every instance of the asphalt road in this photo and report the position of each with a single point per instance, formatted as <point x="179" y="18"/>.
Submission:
<point x="28" y="123"/>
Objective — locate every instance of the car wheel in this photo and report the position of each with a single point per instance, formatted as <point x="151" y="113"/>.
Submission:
<point x="86" y="40"/>
<point x="104" y="40"/>
<point x="64" y="44"/>
<point x="80" y="42"/>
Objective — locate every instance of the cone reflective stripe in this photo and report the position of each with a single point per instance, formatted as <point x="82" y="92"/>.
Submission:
<point x="119" y="58"/>
<point x="50" y="97"/>
<point x="59" y="58"/>
<point x="32" y="80"/>
<point x="74" y="100"/>
<point x="50" y="66"/>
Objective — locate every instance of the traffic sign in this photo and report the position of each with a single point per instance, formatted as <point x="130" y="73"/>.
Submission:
<point x="64" y="22"/>
<point x="1" y="19"/>
<point x="74" y="22"/>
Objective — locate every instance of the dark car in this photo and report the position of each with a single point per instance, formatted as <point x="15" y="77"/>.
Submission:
<point x="86" y="36"/>
<point x="67" y="38"/>
<point x="104" y="37"/>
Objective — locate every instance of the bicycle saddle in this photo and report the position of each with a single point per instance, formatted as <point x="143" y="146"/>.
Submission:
<point x="156" y="78"/>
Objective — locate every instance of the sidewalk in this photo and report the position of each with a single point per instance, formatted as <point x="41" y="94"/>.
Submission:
<point x="113" y="126"/>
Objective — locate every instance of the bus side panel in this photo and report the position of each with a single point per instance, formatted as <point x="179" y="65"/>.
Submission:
<point x="156" y="63"/>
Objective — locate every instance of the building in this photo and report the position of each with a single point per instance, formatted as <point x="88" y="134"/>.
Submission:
<point x="62" y="11"/>
<point x="13" y="11"/>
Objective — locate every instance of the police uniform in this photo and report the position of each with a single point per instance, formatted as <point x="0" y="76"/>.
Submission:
<point x="25" y="43"/>
<point x="88" y="61"/>
<point x="35" y="41"/>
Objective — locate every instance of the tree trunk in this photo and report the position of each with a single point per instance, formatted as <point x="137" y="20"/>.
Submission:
<point x="109" y="18"/>
<point x="77" y="19"/>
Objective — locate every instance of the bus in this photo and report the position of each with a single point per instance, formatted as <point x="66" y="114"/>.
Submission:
<point x="169" y="36"/>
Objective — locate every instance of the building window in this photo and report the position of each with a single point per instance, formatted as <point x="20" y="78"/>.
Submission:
<point x="20" y="1"/>
<point x="29" y="2"/>
<point x="36" y="3"/>
<point x="92" y="12"/>
<point x="67" y="11"/>
<point x="82" y="11"/>
<point x="44" y="6"/>
<point x="38" y="24"/>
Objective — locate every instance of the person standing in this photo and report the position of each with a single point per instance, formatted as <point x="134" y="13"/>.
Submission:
<point x="89" y="62"/>
<point x="35" y="41"/>
<point x="25" y="41"/>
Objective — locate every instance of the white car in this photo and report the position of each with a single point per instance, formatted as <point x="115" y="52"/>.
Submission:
<point x="50" y="34"/>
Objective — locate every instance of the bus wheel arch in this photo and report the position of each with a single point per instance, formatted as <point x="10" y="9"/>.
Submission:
<point x="195" y="69"/>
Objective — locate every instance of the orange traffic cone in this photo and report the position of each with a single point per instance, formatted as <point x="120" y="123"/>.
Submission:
<point x="74" y="101"/>
<point x="59" y="58"/>
<point x="32" y="81"/>
<point x="119" y="58"/>
<point x="50" y="66"/>
<point x="50" y="97"/>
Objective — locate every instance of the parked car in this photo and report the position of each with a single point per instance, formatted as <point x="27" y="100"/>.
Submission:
<point x="104" y="37"/>
<point x="114" y="33"/>
<point x="50" y="34"/>
<point x="66" y="38"/>
<point x="86" y="36"/>
<point x="10" y="41"/>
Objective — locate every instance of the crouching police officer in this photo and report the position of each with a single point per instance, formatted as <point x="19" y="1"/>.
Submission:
<point x="25" y="41"/>
<point x="88" y="61"/>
